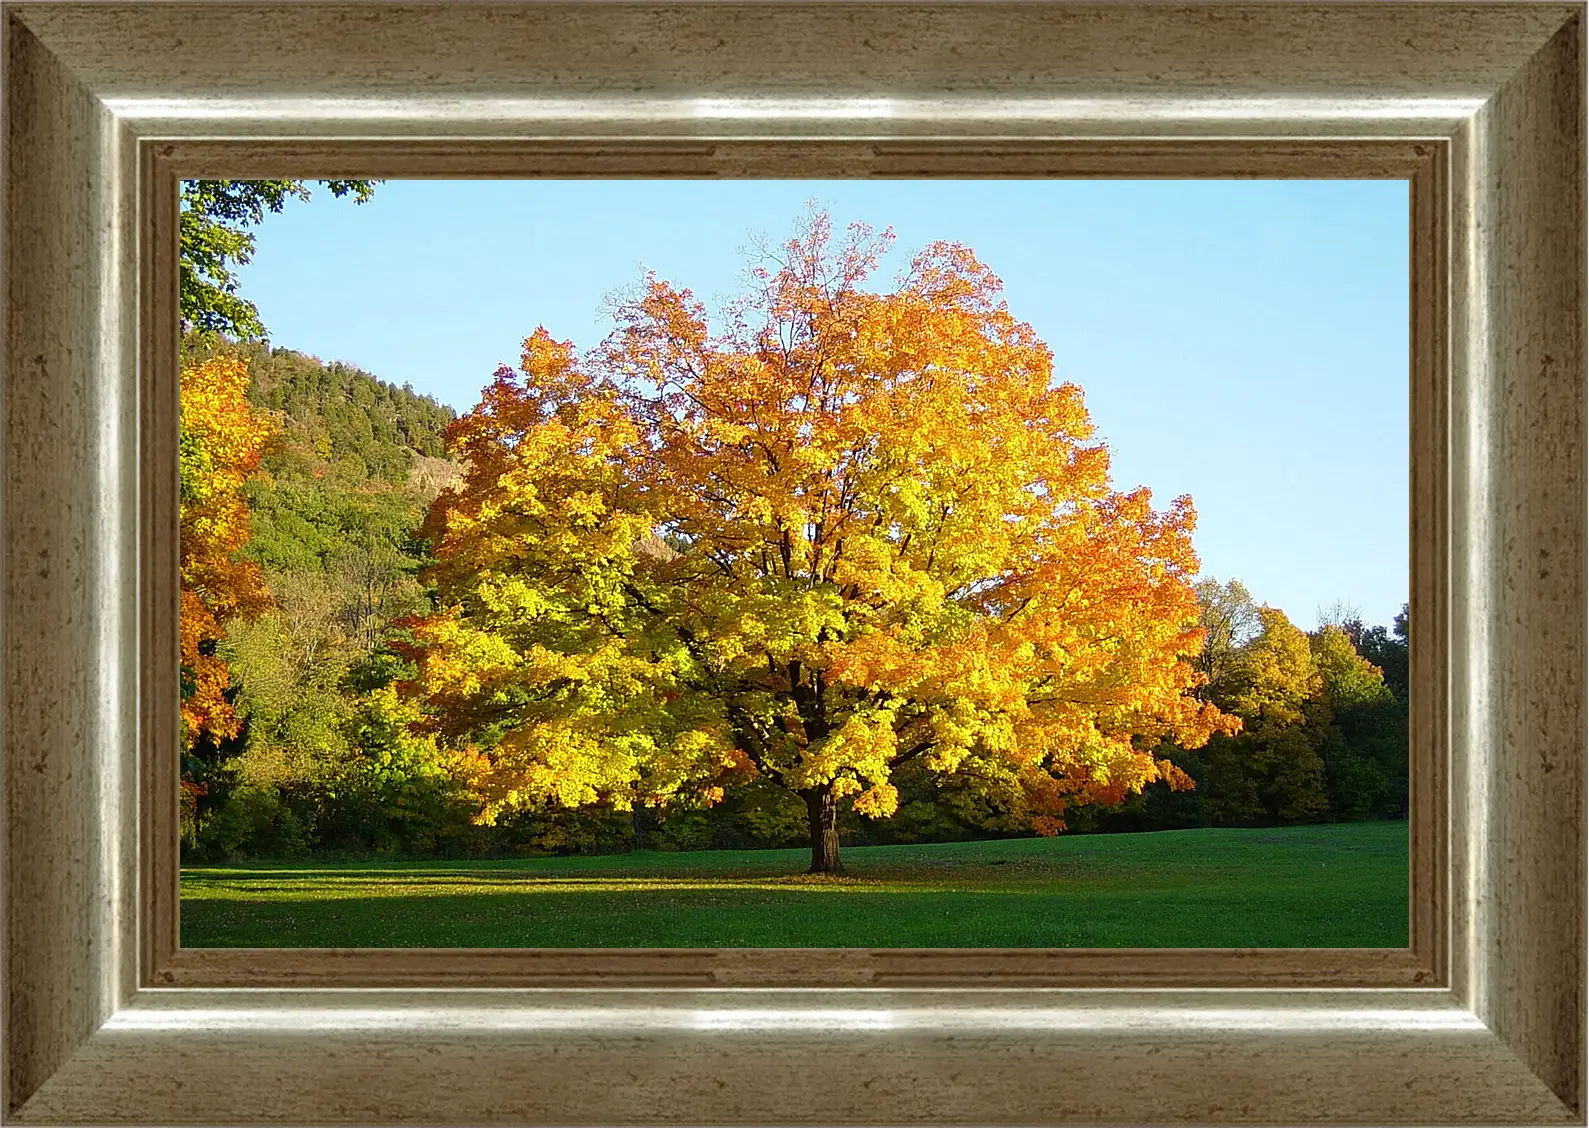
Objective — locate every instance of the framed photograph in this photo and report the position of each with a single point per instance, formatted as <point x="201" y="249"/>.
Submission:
<point x="406" y="735"/>
<point x="111" y="108"/>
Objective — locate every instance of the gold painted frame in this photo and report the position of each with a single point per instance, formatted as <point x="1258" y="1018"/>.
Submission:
<point x="1480" y="108"/>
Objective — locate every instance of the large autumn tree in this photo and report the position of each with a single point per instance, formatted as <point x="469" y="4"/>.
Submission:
<point x="844" y="531"/>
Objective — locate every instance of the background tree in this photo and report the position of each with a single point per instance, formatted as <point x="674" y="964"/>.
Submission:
<point x="850" y="532"/>
<point x="1230" y="620"/>
<point x="221" y="440"/>
<point x="1365" y="752"/>
<point x="1271" y="771"/>
<point x="215" y="217"/>
<point x="221" y="437"/>
<point x="1386" y="649"/>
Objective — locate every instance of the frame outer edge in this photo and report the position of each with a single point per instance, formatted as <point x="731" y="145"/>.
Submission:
<point x="69" y="720"/>
<point x="1518" y="959"/>
<point x="761" y="1057"/>
<point x="1518" y="581"/>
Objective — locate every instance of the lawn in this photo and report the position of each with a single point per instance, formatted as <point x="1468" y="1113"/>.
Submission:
<point x="1296" y="887"/>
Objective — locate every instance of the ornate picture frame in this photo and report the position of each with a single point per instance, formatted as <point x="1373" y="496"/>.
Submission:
<point x="1480" y="108"/>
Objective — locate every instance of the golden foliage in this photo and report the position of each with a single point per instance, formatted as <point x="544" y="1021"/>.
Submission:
<point x="850" y="530"/>
<point x="221" y="440"/>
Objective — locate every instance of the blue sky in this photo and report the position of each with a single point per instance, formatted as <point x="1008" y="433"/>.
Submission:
<point x="1241" y="341"/>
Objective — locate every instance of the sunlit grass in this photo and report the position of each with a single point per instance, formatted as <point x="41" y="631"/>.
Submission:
<point x="1326" y="886"/>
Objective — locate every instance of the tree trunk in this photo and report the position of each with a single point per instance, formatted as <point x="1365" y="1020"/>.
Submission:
<point x="643" y="820"/>
<point x="823" y="811"/>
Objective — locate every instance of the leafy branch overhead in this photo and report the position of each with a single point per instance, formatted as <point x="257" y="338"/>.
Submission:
<point x="215" y="219"/>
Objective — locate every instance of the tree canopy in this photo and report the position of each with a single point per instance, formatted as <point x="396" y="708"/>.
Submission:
<point x="847" y="531"/>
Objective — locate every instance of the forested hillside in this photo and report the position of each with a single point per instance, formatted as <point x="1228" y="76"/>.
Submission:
<point x="342" y="484"/>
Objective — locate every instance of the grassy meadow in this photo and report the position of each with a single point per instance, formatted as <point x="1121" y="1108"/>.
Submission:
<point x="1338" y="885"/>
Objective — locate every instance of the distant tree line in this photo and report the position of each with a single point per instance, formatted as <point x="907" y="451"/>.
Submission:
<point x="1324" y="724"/>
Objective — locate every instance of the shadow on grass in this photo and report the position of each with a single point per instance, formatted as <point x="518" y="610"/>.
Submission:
<point x="201" y="884"/>
<point x="1335" y="886"/>
<point x="737" y="916"/>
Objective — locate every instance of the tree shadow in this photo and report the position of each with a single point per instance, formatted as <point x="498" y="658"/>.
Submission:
<point x="613" y="916"/>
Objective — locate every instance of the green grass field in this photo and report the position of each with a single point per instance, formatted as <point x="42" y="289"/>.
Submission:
<point x="1296" y="887"/>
